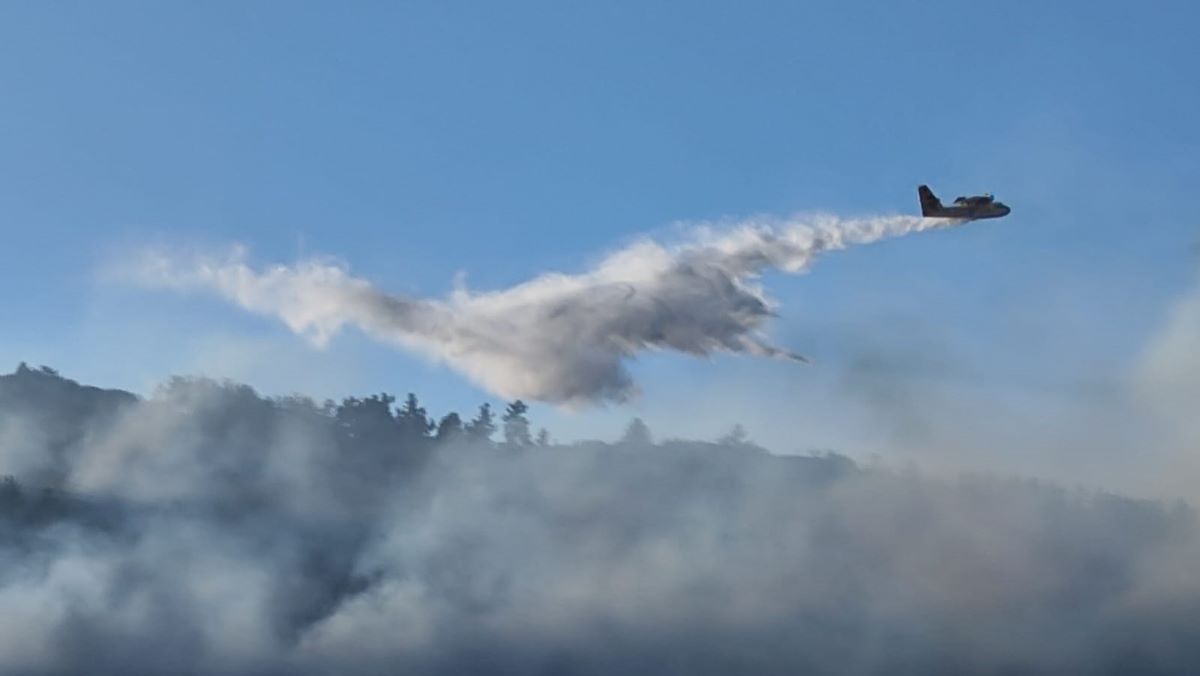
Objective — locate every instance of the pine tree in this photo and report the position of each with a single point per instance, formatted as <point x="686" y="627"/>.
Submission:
<point x="413" y="422"/>
<point x="516" y="425"/>
<point x="483" y="426"/>
<point x="450" y="427"/>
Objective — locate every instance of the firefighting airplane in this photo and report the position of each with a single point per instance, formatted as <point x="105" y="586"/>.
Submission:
<point x="969" y="208"/>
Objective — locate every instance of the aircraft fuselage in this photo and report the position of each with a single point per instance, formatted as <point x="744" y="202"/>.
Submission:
<point x="993" y="210"/>
<point x="967" y="208"/>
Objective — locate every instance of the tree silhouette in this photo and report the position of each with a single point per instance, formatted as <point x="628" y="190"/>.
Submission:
<point x="483" y="426"/>
<point x="516" y="425"/>
<point x="412" y="421"/>
<point x="367" y="422"/>
<point x="543" y="438"/>
<point x="637" y="434"/>
<point x="450" y="427"/>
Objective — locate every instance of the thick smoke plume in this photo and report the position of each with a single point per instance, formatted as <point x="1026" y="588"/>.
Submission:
<point x="558" y="338"/>
<point x="208" y="530"/>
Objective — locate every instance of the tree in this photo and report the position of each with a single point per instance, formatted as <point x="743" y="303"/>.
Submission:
<point x="543" y="438"/>
<point x="368" y="419"/>
<point x="637" y="434"/>
<point x="516" y="425"/>
<point x="483" y="425"/>
<point x="412" y="421"/>
<point x="450" y="427"/>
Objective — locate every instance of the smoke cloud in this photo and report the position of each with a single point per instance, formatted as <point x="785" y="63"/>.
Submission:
<point x="208" y="530"/>
<point x="1167" y="391"/>
<point x="1169" y="374"/>
<point x="558" y="338"/>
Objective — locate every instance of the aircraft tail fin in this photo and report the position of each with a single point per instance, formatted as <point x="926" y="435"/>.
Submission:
<point x="930" y="204"/>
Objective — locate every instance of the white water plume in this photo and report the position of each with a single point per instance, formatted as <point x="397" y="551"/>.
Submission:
<point x="560" y="338"/>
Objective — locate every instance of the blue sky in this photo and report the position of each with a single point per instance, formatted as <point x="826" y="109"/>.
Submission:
<point x="419" y="140"/>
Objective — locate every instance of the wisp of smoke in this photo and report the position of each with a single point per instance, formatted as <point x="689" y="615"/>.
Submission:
<point x="558" y="338"/>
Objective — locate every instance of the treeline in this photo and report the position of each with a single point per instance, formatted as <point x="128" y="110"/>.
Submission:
<point x="65" y="410"/>
<point x="410" y="424"/>
<point x="225" y="436"/>
<point x="89" y="455"/>
<point x="376" y="418"/>
<point x="373" y="417"/>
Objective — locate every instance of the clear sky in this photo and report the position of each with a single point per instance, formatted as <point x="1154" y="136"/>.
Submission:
<point x="415" y="141"/>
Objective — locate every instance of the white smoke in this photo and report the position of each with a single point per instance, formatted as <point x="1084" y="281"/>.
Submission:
<point x="208" y="530"/>
<point x="217" y="532"/>
<point x="1167" y="390"/>
<point x="1169" y="373"/>
<point x="558" y="338"/>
